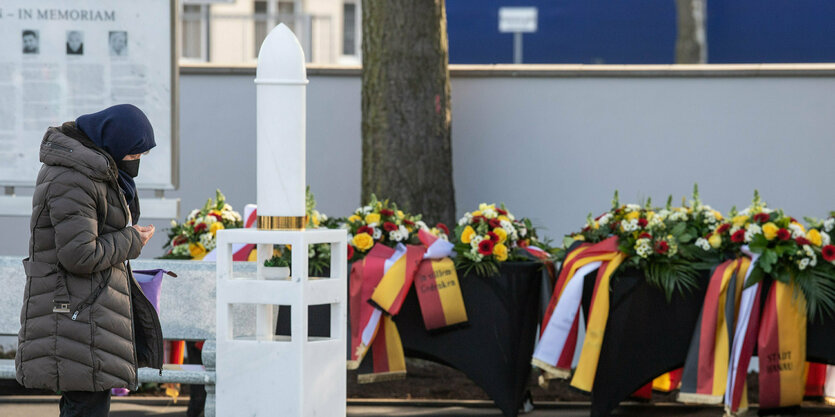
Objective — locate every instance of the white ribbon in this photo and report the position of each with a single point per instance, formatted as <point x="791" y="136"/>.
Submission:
<point x="554" y="337"/>
<point x="746" y="305"/>
<point x="371" y="327"/>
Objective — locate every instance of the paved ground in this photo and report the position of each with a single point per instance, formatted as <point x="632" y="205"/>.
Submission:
<point x="47" y="406"/>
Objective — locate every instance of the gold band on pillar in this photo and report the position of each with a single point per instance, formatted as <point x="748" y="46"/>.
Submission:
<point x="282" y="222"/>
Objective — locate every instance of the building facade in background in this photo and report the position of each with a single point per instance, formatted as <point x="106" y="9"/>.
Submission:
<point x="229" y="32"/>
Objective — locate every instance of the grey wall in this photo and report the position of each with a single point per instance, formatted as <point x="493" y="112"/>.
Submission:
<point x="552" y="145"/>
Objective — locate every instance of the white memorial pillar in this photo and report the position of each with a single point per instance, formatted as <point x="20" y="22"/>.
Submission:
<point x="281" y="83"/>
<point x="259" y="373"/>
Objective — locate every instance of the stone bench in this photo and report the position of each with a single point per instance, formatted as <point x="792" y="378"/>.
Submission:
<point x="187" y="312"/>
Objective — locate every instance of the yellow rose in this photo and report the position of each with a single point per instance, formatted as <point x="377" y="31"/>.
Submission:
<point x="718" y="215"/>
<point x="467" y="234"/>
<point x="501" y="233"/>
<point x="363" y="241"/>
<point x="400" y="214"/>
<point x="476" y="213"/>
<point x="216" y="212"/>
<point x="579" y="237"/>
<point x="215" y="227"/>
<point x="505" y="218"/>
<point x="740" y="220"/>
<point x="354" y="218"/>
<point x="650" y="215"/>
<point x="634" y="215"/>
<point x="815" y="237"/>
<point x="372" y="218"/>
<point x="500" y="250"/>
<point x="800" y="226"/>
<point x="715" y="241"/>
<point x="196" y="250"/>
<point x="595" y="226"/>
<point x="770" y="230"/>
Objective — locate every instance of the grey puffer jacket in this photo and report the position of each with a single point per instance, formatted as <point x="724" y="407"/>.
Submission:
<point x="85" y="323"/>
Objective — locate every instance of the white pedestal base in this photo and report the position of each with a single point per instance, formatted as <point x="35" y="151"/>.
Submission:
<point x="266" y="375"/>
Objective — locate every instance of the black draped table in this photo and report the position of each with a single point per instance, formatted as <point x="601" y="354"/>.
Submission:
<point x="493" y="349"/>
<point x="647" y="336"/>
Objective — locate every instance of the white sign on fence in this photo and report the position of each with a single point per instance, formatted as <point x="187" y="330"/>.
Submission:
<point x="517" y="19"/>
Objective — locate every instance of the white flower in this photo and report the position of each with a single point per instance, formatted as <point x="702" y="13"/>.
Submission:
<point x="377" y="233"/>
<point x="703" y="243"/>
<point x="828" y="224"/>
<point x="630" y="225"/>
<point x="797" y="231"/>
<point x="643" y="247"/>
<point x="523" y="231"/>
<point x="208" y="241"/>
<point x="490" y="213"/>
<point x="803" y="263"/>
<point x="825" y="239"/>
<point x="209" y="220"/>
<point x="734" y="229"/>
<point x="421" y="225"/>
<point x="193" y="214"/>
<point x="475" y="241"/>
<point x="403" y="230"/>
<point x="173" y="223"/>
<point x="181" y="250"/>
<point x="365" y="210"/>
<point x="604" y="220"/>
<point x="632" y="207"/>
<point x="395" y="235"/>
<point x="752" y="229"/>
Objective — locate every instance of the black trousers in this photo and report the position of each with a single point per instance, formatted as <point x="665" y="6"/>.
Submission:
<point x="85" y="404"/>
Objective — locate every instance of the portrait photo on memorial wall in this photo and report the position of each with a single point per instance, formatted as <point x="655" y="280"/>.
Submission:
<point x="75" y="42"/>
<point x="118" y="43"/>
<point x="31" y="41"/>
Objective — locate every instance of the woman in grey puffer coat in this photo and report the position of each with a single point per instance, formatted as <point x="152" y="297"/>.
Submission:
<point x="85" y="324"/>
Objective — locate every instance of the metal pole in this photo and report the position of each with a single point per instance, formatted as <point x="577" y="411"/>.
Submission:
<point x="517" y="47"/>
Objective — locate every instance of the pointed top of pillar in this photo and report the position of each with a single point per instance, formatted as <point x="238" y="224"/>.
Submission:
<point x="281" y="59"/>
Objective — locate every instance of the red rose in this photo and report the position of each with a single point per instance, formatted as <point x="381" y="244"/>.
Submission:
<point x="614" y="225"/>
<point x="443" y="228"/>
<point x="645" y="235"/>
<point x="784" y="234"/>
<point x="709" y="235"/>
<point x="389" y="226"/>
<point x="828" y="253"/>
<point x="642" y="222"/>
<point x="200" y="228"/>
<point x="762" y="217"/>
<point x="501" y="211"/>
<point x="485" y="247"/>
<point x="479" y="219"/>
<point x="802" y="241"/>
<point x="493" y="237"/>
<point x="350" y="252"/>
<point x="523" y="243"/>
<point x="662" y="247"/>
<point x="738" y="236"/>
<point x="216" y="216"/>
<point x="494" y="223"/>
<point x="386" y="212"/>
<point x="366" y="229"/>
<point x="408" y="222"/>
<point x="586" y="229"/>
<point x="723" y="228"/>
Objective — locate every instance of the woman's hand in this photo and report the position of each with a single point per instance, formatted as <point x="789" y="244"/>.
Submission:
<point x="145" y="232"/>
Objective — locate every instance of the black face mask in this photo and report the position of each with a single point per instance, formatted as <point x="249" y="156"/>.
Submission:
<point x="129" y="167"/>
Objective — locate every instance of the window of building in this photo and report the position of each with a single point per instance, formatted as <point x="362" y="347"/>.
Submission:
<point x="195" y="32"/>
<point x="349" y="29"/>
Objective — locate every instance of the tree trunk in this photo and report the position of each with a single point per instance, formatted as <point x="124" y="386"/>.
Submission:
<point x="691" y="42"/>
<point x="406" y="118"/>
